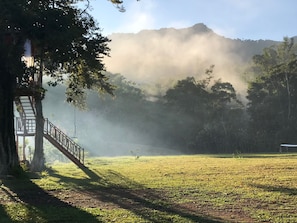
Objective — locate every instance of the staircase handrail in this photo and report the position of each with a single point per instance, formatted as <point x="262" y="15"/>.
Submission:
<point x="25" y="125"/>
<point x="20" y="107"/>
<point x="69" y="144"/>
<point x="31" y="99"/>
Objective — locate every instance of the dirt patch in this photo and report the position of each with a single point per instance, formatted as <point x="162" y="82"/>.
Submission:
<point x="113" y="198"/>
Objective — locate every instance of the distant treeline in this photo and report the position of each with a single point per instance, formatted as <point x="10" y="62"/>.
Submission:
<point x="205" y="115"/>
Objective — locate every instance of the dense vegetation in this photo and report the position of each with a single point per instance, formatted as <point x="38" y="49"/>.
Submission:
<point x="205" y="115"/>
<point x="195" y="115"/>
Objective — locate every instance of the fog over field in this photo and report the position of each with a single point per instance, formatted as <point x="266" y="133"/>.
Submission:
<point x="155" y="60"/>
<point x="99" y="136"/>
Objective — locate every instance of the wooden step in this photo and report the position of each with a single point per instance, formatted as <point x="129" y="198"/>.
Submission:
<point x="25" y="103"/>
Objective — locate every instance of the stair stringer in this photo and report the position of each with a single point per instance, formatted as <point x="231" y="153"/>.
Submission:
<point x="64" y="143"/>
<point x="64" y="151"/>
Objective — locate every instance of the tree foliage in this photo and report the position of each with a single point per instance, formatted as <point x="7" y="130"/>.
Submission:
<point x="67" y="45"/>
<point x="203" y="109"/>
<point x="194" y="116"/>
<point x="273" y="95"/>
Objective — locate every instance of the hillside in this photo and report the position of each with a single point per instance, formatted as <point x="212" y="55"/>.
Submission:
<point x="160" y="56"/>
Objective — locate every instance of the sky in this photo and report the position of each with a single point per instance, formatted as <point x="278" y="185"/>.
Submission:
<point x="236" y="19"/>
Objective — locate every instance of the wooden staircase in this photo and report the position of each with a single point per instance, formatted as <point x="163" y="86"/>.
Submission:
<point x="64" y="143"/>
<point x="25" y="125"/>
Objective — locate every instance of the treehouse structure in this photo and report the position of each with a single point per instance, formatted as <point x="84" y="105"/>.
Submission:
<point x="25" y="126"/>
<point x="28" y="90"/>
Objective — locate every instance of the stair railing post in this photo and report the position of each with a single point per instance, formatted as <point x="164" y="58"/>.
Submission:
<point x="45" y="130"/>
<point x="83" y="156"/>
<point x="25" y="125"/>
<point x="79" y="157"/>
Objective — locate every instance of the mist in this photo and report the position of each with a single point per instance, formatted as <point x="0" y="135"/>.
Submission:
<point x="165" y="55"/>
<point x="130" y="124"/>
<point x="94" y="132"/>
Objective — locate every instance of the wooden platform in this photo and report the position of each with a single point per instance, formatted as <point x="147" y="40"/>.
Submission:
<point x="25" y="91"/>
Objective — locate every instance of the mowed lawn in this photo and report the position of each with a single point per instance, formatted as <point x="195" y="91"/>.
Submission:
<point x="198" y="188"/>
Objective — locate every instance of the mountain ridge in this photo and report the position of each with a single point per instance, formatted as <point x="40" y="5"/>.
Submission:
<point x="197" y="28"/>
<point x="165" y="55"/>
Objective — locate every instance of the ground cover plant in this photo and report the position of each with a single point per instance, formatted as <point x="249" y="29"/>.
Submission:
<point x="208" y="188"/>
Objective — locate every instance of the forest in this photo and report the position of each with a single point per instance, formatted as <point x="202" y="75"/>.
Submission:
<point x="195" y="115"/>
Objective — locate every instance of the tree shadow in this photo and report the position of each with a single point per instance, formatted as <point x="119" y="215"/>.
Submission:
<point x="276" y="155"/>
<point x="149" y="204"/>
<point x="4" y="217"/>
<point x="285" y="190"/>
<point x="91" y="174"/>
<point x="39" y="204"/>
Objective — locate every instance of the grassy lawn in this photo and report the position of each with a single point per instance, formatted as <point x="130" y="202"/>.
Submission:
<point x="202" y="188"/>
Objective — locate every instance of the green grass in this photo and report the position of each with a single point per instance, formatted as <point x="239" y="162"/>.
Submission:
<point x="202" y="188"/>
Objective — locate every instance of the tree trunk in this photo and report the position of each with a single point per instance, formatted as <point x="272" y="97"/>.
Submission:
<point x="289" y="96"/>
<point x="9" y="160"/>
<point x="38" y="162"/>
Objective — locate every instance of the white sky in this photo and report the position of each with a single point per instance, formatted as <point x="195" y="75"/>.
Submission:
<point x="243" y="19"/>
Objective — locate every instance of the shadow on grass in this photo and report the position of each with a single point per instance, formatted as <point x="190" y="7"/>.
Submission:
<point x="255" y="155"/>
<point x="285" y="190"/>
<point x="91" y="174"/>
<point x="4" y="217"/>
<point x="36" y="205"/>
<point x="121" y="192"/>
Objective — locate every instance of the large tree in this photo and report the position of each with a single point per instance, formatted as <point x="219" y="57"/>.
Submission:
<point x="10" y="68"/>
<point x="67" y="45"/>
